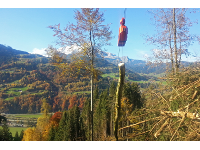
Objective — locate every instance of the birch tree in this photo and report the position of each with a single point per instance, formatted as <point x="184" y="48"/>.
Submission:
<point x="173" y="37"/>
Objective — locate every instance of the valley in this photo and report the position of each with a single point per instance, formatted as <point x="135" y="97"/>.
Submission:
<point x="26" y="79"/>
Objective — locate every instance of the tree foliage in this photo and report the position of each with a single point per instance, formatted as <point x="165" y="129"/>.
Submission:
<point x="5" y="134"/>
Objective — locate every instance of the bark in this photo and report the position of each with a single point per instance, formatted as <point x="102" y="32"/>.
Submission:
<point x="118" y="97"/>
<point x="175" y="47"/>
<point x="161" y="128"/>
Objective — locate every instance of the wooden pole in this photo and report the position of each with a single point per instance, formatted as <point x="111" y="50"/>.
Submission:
<point x="118" y="97"/>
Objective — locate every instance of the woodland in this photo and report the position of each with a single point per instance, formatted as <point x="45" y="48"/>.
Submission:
<point x="79" y="99"/>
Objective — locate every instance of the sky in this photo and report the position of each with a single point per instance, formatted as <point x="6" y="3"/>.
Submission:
<point x="24" y="27"/>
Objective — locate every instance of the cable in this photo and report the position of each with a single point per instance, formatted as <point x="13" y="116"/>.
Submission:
<point x="125" y="13"/>
<point x="118" y="56"/>
<point x="122" y="53"/>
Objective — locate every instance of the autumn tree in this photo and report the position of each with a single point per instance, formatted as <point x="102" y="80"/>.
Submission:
<point x="45" y="108"/>
<point x="87" y="37"/>
<point x="172" y="38"/>
<point x="28" y="135"/>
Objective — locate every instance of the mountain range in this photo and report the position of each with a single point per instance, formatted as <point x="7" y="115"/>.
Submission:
<point x="26" y="79"/>
<point x="137" y="66"/>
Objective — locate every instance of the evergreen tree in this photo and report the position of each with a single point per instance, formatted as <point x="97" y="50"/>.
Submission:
<point x="102" y="116"/>
<point x="70" y="124"/>
<point x="132" y="93"/>
<point x="62" y="133"/>
<point x="6" y="135"/>
<point x="76" y="122"/>
<point x="137" y="100"/>
<point x="16" y="137"/>
<point x="96" y="94"/>
<point x="112" y="89"/>
<point x="21" y="135"/>
<point x="51" y="135"/>
<point x="86" y="117"/>
<point x="2" y="118"/>
<point x="105" y="113"/>
<point x="82" y="130"/>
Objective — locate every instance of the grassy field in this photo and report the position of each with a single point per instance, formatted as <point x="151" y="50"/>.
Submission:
<point x="25" y="115"/>
<point x="112" y="75"/>
<point x="13" y="130"/>
<point x="28" y="115"/>
<point x="15" y="92"/>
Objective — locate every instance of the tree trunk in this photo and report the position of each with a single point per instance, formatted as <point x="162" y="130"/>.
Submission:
<point x="171" y="51"/>
<point x="92" y="100"/>
<point x="175" y="47"/>
<point x="118" y="97"/>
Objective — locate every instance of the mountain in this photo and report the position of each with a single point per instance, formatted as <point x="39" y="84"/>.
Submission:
<point x="26" y="79"/>
<point x="7" y="50"/>
<point x="138" y="66"/>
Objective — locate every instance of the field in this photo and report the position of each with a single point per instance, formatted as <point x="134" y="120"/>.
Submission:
<point x="28" y="115"/>
<point x="13" y="130"/>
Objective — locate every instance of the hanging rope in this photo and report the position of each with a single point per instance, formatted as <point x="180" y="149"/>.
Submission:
<point x="125" y="13"/>
<point x="125" y="19"/>
<point x="122" y="47"/>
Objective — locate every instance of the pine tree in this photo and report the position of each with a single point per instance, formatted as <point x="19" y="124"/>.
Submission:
<point x="137" y="100"/>
<point x="62" y="133"/>
<point x="21" y="135"/>
<point x="6" y="135"/>
<point x="16" y="137"/>
<point x="132" y="93"/>
<point x="76" y="122"/>
<point x="51" y="135"/>
<point x="96" y="94"/>
<point x="82" y="130"/>
<point x="86" y="117"/>
<point x="112" y="89"/>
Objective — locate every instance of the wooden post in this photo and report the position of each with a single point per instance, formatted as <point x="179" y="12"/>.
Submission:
<point x="118" y="97"/>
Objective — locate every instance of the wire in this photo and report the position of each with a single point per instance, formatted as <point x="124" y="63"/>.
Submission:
<point x="125" y="13"/>
<point x="122" y="54"/>
<point x="118" y="56"/>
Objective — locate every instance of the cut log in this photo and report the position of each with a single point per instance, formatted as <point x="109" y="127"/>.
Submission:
<point x="181" y="114"/>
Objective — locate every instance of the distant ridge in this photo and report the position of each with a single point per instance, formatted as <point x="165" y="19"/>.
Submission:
<point x="7" y="50"/>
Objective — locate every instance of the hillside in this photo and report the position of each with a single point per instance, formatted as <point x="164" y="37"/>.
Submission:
<point x="26" y="79"/>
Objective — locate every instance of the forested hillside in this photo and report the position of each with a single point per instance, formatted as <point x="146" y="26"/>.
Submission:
<point x="25" y="79"/>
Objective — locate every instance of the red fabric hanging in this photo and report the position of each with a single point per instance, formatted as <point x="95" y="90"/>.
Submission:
<point x="123" y="31"/>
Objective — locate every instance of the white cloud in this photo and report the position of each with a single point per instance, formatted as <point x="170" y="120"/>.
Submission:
<point x="141" y="54"/>
<point x="69" y="50"/>
<point x="39" y="51"/>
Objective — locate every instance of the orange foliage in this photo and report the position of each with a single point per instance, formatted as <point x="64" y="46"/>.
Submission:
<point x="72" y="101"/>
<point x="55" y="119"/>
<point x="81" y="102"/>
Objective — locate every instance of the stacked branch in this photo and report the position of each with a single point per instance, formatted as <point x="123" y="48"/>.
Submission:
<point x="162" y="119"/>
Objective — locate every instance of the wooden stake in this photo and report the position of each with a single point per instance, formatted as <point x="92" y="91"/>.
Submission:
<point x="118" y="97"/>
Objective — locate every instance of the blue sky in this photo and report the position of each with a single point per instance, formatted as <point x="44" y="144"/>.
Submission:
<point x="26" y="28"/>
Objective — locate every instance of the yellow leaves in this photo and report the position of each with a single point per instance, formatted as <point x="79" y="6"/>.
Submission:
<point x="126" y="108"/>
<point x="28" y="135"/>
<point x="125" y="104"/>
<point x="40" y="133"/>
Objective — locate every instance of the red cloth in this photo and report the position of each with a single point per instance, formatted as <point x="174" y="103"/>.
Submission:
<point x="122" y="38"/>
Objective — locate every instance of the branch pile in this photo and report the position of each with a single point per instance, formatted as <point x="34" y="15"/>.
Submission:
<point x="173" y="115"/>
